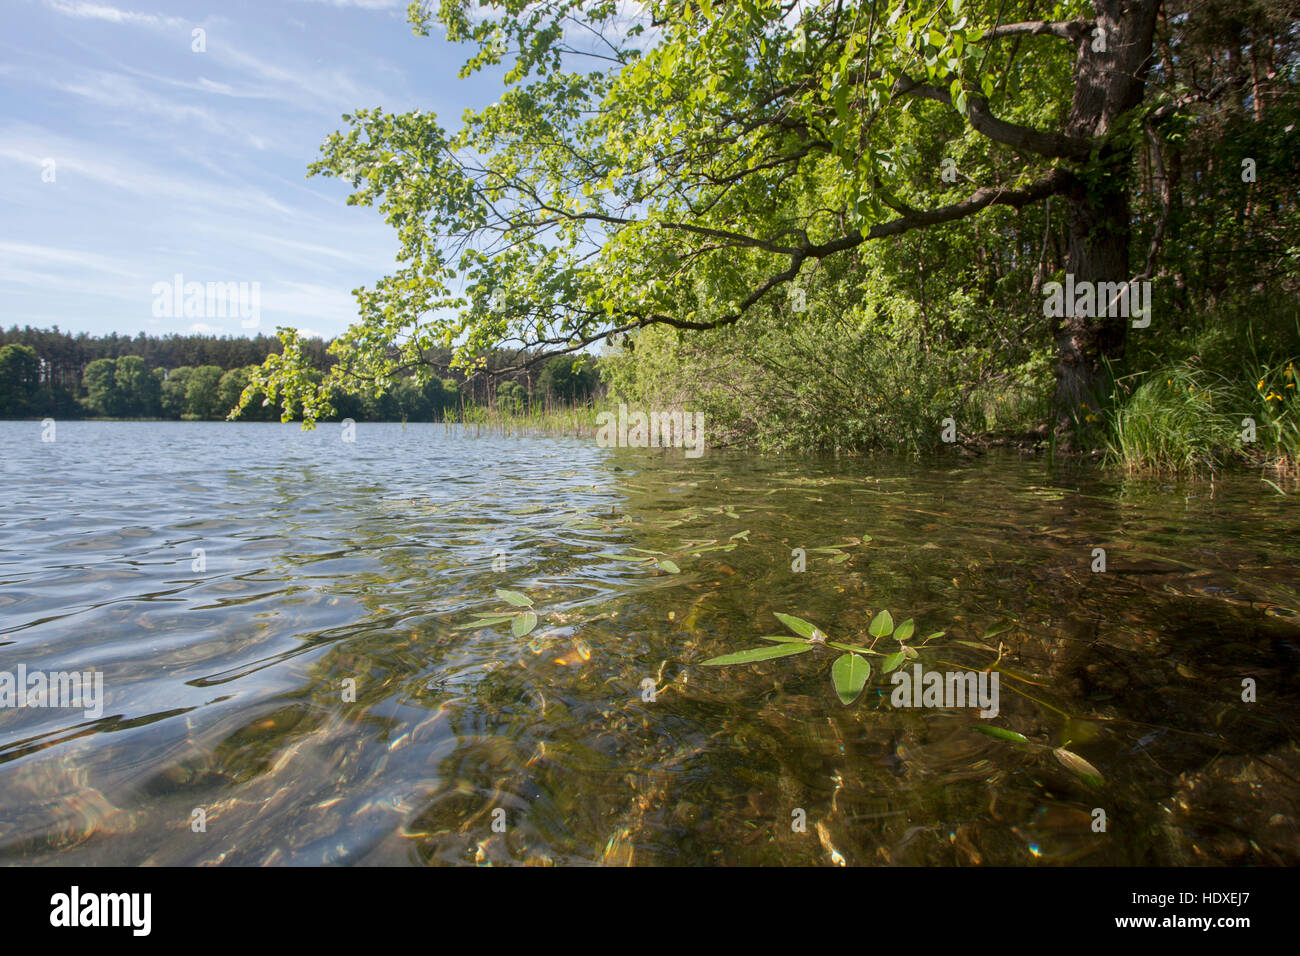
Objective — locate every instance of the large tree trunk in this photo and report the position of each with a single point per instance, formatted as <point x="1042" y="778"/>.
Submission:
<point x="1109" y="82"/>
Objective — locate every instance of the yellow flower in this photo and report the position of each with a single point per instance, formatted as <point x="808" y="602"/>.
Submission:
<point x="1260" y="386"/>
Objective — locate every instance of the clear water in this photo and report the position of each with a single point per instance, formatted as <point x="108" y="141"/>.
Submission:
<point x="228" y="734"/>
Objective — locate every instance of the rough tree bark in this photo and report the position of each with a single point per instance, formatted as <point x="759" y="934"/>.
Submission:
<point x="1110" y="72"/>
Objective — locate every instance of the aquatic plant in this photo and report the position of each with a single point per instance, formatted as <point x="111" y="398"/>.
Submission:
<point x="851" y="670"/>
<point x="522" y="621"/>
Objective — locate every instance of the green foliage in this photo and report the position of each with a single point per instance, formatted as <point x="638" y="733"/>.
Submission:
<point x="138" y="390"/>
<point x="850" y="671"/>
<point x="19" y="380"/>
<point x="203" y="393"/>
<point x="1221" y="388"/>
<point x="175" y="403"/>
<point x="669" y="185"/>
<point x="567" y="379"/>
<point x="100" y="383"/>
<point x="511" y="396"/>
<point x="522" y="620"/>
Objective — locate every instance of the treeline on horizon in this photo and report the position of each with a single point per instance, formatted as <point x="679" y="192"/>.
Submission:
<point x="52" y="373"/>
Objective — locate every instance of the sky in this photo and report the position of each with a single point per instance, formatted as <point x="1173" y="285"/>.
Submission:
<point x="128" y="157"/>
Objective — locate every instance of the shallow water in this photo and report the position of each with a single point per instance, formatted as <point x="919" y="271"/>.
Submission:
<point x="229" y="734"/>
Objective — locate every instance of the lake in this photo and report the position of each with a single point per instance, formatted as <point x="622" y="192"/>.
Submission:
<point x="285" y="626"/>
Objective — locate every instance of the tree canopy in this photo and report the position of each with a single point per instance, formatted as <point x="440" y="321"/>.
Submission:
<point x="690" y="164"/>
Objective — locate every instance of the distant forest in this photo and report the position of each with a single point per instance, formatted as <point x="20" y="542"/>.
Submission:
<point x="200" y="377"/>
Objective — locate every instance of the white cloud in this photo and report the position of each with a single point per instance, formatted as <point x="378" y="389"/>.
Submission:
<point x="362" y="4"/>
<point x="31" y="146"/>
<point x="84" y="10"/>
<point x="37" y="255"/>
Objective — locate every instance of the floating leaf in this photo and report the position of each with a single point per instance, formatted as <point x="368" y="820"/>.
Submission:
<point x="799" y="625"/>
<point x="1072" y="761"/>
<point x="892" y="662"/>
<point x="904" y="631"/>
<point x="523" y="624"/>
<point x="910" y="653"/>
<point x="782" y="638"/>
<point x="670" y="567"/>
<point x="486" y="622"/>
<point x="999" y="629"/>
<point x="759" y="654"/>
<point x="882" y="625"/>
<point x="1002" y="733"/>
<point x="849" y="674"/>
<point x="851" y="648"/>
<point x="514" y="597"/>
<point x="933" y="636"/>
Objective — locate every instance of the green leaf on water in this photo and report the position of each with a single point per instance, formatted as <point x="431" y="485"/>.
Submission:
<point x="1072" y="761"/>
<point x="782" y="638"/>
<point x="485" y="622"/>
<point x="904" y="631"/>
<point x="514" y="597"/>
<point x="1000" y="628"/>
<point x="523" y="624"/>
<point x="933" y="636"/>
<point x="849" y="674"/>
<point x="851" y="648"/>
<point x="798" y="625"/>
<point x="892" y="662"/>
<point x="1002" y="734"/>
<point x="670" y="566"/>
<point x="882" y="625"/>
<point x="759" y="654"/>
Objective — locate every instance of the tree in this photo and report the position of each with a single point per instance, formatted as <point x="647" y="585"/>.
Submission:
<point x="567" y="379"/>
<point x="138" y="391"/>
<point x="511" y="396"/>
<point x="691" y="183"/>
<point x="202" y="393"/>
<point x="19" y="380"/>
<point x="174" y="402"/>
<point x="231" y="388"/>
<point x="103" y="396"/>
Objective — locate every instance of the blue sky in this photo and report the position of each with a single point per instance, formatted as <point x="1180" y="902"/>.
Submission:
<point x="166" y="160"/>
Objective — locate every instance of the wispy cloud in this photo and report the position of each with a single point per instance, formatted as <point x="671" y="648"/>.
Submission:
<point x="85" y="10"/>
